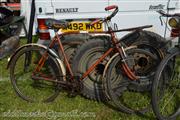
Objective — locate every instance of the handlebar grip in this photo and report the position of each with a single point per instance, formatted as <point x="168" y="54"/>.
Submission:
<point x="95" y="21"/>
<point x="111" y="7"/>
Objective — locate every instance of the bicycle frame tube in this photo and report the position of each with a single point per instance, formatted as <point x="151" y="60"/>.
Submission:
<point x="96" y="63"/>
<point x="41" y="62"/>
<point x="43" y="58"/>
<point x="64" y="55"/>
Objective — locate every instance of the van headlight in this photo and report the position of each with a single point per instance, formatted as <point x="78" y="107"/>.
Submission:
<point x="174" y="22"/>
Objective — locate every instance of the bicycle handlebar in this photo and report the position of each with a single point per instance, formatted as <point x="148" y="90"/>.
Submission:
<point x="109" y="17"/>
<point x="168" y="15"/>
<point x="111" y="7"/>
<point x="115" y="7"/>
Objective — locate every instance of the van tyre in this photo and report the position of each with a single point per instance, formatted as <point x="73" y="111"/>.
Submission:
<point x="147" y="40"/>
<point x="82" y="59"/>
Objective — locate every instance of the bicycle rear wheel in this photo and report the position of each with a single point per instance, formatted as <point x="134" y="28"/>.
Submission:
<point x="30" y="85"/>
<point x="166" y="92"/>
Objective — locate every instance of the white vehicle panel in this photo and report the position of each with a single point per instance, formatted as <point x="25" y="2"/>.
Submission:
<point x="132" y="13"/>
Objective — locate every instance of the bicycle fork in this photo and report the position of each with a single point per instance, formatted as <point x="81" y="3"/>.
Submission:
<point x="122" y="54"/>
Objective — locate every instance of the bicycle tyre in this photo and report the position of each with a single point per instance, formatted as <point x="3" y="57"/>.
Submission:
<point x="159" y="81"/>
<point x="50" y="68"/>
<point x="118" y="87"/>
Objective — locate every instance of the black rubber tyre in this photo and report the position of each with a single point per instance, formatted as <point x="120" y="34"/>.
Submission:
<point x="166" y="92"/>
<point x="32" y="89"/>
<point x="83" y="58"/>
<point x="119" y="88"/>
<point x="147" y="40"/>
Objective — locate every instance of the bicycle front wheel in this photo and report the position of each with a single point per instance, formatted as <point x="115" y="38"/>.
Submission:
<point x="166" y="92"/>
<point x="120" y="89"/>
<point x="31" y="84"/>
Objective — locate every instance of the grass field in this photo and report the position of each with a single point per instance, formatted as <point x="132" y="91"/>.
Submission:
<point x="65" y="108"/>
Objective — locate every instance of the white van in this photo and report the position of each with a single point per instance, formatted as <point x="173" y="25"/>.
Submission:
<point x="131" y="13"/>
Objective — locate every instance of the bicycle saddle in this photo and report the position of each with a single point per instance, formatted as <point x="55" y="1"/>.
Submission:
<point x="56" y="24"/>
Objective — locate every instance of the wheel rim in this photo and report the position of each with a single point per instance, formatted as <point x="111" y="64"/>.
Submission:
<point x="168" y="90"/>
<point x="125" y="99"/>
<point x="34" y="90"/>
<point x="144" y="64"/>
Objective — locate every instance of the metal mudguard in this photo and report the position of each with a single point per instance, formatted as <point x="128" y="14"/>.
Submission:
<point x="51" y="52"/>
<point x="113" y="57"/>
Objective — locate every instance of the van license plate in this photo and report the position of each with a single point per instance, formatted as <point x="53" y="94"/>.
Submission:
<point x="83" y="26"/>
